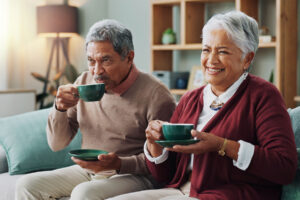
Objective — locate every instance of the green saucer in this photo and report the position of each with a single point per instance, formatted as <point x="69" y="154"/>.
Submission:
<point x="171" y="143"/>
<point x="87" y="154"/>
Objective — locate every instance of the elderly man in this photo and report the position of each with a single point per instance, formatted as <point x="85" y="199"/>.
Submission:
<point x="115" y="124"/>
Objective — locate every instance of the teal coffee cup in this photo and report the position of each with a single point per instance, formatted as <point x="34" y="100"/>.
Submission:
<point x="91" y="92"/>
<point x="177" y="131"/>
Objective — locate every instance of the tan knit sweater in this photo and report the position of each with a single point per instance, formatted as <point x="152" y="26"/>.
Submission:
<point x="117" y="123"/>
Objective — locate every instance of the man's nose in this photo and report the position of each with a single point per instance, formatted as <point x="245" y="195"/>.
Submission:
<point x="98" y="68"/>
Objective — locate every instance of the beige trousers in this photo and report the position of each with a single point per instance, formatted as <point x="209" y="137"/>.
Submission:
<point x="159" y="194"/>
<point x="78" y="183"/>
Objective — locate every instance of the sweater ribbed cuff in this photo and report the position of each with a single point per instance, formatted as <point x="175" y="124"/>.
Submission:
<point x="126" y="165"/>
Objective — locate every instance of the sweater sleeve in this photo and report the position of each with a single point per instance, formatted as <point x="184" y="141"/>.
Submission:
<point x="133" y="164"/>
<point x="163" y="172"/>
<point x="275" y="156"/>
<point x="61" y="128"/>
<point x="161" y="107"/>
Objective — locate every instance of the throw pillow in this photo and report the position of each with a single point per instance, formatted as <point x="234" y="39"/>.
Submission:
<point x="291" y="191"/>
<point x="295" y="119"/>
<point x="24" y="140"/>
<point x="3" y="161"/>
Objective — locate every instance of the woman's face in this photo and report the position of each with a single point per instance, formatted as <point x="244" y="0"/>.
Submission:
<point x="221" y="60"/>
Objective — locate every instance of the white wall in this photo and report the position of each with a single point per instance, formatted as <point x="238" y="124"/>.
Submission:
<point x="90" y="12"/>
<point x="135" y="15"/>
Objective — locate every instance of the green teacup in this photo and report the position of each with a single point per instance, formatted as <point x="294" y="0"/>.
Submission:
<point x="177" y="131"/>
<point x="91" y="92"/>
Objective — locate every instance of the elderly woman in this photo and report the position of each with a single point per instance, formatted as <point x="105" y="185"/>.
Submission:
<point x="246" y="148"/>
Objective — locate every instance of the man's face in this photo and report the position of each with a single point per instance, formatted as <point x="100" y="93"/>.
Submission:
<point x="106" y="65"/>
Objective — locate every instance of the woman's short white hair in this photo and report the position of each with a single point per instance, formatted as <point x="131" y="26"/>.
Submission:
<point x="241" y="28"/>
<point x="113" y="31"/>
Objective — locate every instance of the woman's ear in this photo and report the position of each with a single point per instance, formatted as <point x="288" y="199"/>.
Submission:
<point x="247" y="60"/>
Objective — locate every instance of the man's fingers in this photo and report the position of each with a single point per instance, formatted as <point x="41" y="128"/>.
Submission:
<point x="106" y="157"/>
<point x="155" y="125"/>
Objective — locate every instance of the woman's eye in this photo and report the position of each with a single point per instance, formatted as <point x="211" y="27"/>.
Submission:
<point x="223" y="52"/>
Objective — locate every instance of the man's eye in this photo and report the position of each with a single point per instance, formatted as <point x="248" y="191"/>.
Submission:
<point x="106" y="61"/>
<point x="205" y="50"/>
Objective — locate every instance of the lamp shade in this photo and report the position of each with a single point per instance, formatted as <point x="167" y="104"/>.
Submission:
<point x="57" y="19"/>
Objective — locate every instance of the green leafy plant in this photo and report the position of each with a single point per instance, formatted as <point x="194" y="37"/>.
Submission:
<point x="168" y="37"/>
<point x="68" y="72"/>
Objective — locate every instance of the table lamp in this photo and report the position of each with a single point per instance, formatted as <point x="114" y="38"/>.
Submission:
<point x="58" y="21"/>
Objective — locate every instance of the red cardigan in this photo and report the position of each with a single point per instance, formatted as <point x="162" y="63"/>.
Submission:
<point x="257" y="114"/>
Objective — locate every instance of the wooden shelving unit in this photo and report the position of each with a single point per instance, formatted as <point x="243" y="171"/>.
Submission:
<point x="192" y="16"/>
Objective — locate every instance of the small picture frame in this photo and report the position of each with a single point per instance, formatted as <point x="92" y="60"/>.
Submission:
<point x="196" y="78"/>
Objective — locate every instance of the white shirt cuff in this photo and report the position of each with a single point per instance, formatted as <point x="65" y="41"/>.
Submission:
<point x="157" y="160"/>
<point x="245" y="155"/>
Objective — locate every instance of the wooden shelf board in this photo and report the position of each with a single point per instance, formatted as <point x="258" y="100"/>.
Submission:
<point x="178" y="1"/>
<point x="209" y="1"/>
<point x="198" y="46"/>
<point x="170" y="2"/>
<point x="267" y="45"/>
<point x="297" y="98"/>
<point x="177" y="47"/>
<point x="178" y="91"/>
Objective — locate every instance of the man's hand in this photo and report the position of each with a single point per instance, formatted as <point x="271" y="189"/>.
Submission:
<point x="67" y="97"/>
<point x="105" y="162"/>
<point x="154" y="132"/>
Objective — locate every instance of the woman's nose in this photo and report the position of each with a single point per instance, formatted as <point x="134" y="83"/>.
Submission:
<point x="212" y="58"/>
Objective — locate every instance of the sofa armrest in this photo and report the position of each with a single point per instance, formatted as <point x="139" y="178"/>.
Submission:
<point x="292" y="191"/>
<point x="3" y="161"/>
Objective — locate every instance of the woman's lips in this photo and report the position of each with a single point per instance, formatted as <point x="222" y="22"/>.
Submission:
<point x="214" y="70"/>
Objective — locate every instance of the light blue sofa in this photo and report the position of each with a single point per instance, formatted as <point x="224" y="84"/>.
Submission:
<point x="24" y="149"/>
<point x="25" y="125"/>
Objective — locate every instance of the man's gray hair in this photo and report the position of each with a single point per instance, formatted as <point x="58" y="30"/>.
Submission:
<point x="114" y="32"/>
<point x="241" y="28"/>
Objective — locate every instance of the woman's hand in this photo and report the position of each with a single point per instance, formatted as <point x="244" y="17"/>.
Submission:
<point x="208" y="143"/>
<point x="105" y="162"/>
<point x="67" y="97"/>
<point x="154" y="132"/>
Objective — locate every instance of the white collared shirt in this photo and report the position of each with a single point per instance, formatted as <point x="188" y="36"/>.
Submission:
<point x="246" y="149"/>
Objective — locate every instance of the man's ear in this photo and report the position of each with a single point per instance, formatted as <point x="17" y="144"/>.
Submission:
<point x="248" y="59"/>
<point x="130" y="57"/>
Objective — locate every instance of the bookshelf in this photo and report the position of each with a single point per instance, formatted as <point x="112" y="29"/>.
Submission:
<point x="192" y="19"/>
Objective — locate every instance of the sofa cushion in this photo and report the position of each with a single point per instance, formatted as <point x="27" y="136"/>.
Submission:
<point x="3" y="161"/>
<point x="295" y="118"/>
<point x="7" y="186"/>
<point x="291" y="191"/>
<point x="24" y="140"/>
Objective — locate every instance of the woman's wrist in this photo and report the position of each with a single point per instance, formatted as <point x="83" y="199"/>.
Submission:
<point x="154" y="149"/>
<point x="232" y="149"/>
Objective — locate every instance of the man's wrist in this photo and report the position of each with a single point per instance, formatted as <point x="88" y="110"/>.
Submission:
<point x="60" y="110"/>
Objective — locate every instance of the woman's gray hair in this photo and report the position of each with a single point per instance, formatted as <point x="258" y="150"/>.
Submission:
<point x="241" y="28"/>
<point x="113" y="31"/>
